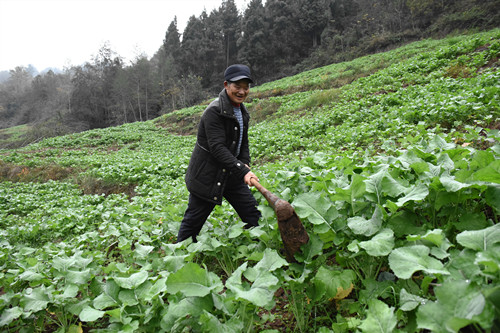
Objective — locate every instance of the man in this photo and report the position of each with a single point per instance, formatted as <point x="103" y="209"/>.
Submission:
<point x="219" y="165"/>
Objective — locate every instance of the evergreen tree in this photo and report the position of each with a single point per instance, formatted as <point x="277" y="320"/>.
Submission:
<point x="169" y="66"/>
<point x="214" y="51"/>
<point x="313" y="19"/>
<point x="172" y="42"/>
<point x="255" y="40"/>
<point x="231" y="30"/>
<point x="191" y="52"/>
<point x="285" y="35"/>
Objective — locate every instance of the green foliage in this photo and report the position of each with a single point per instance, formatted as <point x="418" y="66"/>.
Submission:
<point x="13" y="136"/>
<point x="394" y="176"/>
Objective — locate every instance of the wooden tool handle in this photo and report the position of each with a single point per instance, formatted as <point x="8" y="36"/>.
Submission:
<point x="256" y="183"/>
<point x="270" y="197"/>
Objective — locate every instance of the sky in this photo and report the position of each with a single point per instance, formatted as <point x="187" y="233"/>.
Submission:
<point x="63" y="33"/>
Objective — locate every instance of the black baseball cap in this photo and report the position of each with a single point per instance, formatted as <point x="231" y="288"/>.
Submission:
<point x="237" y="72"/>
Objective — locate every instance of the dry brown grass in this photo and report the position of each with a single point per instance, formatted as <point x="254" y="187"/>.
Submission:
<point x="88" y="184"/>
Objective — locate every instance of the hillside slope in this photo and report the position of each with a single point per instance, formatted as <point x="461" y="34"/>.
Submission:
<point x="391" y="161"/>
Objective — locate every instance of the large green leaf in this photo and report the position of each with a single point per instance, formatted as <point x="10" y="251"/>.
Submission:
<point x="408" y="302"/>
<point x="374" y="182"/>
<point x="480" y="240"/>
<point x="451" y="185"/>
<point x="489" y="260"/>
<point x="417" y="193"/>
<point x="192" y="280"/>
<point x="35" y="299"/>
<point x="210" y="323"/>
<point x="481" y="159"/>
<point x="9" y="315"/>
<point x="382" y="182"/>
<point x="311" y="249"/>
<point x="491" y="173"/>
<point x="316" y="208"/>
<point x="435" y="237"/>
<point x="128" y="297"/>
<point x="133" y="281"/>
<point x="367" y="227"/>
<point x="354" y="191"/>
<point x="70" y="291"/>
<point x="31" y="276"/>
<point x="157" y="288"/>
<point x="270" y="262"/>
<point x="458" y="304"/>
<point x="357" y="187"/>
<point x="142" y="251"/>
<point x="436" y="240"/>
<point x="78" y="277"/>
<point x="405" y="261"/>
<point x="438" y="143"/>
<point x="391" y="186"/>
<point x="330" y="284"/>
<point x="260" y="292"/>
<point x="103" y="301"/>
<point x="492" y="197"/>
<point x="174" y="262"/>
<point x="380" y="318"/>
<point x="62" y="264"/>
<point x="90" y="314"/>
<point x="445" y="162"/>
<point x="186" y="307"/>
<point x="380" y="245"/>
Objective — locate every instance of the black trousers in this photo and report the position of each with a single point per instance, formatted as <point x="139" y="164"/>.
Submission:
<point x="236" y="193"/>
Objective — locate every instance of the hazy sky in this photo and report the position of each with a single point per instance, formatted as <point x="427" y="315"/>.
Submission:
<point x="58" y="33"/>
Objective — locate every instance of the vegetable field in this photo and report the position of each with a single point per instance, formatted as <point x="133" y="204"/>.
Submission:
<point x="392" y="162"/>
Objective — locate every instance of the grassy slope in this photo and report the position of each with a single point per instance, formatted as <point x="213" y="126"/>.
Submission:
<point x="315" y="134"/>
<point x="13" y="136"/>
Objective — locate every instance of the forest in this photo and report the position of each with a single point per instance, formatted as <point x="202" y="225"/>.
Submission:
<point x="275" y="38"/>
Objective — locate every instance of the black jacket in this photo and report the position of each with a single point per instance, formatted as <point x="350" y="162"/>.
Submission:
<point x="213" y="158"/>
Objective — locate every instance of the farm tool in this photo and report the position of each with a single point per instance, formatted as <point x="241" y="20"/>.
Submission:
<point x="292" y="231"/>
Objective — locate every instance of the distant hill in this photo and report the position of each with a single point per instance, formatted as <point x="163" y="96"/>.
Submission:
<point x="4" y="75"/>
<point x="53" y="69"/>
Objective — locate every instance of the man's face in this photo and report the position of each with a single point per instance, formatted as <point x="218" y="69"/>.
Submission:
<point x="237" y="91"/>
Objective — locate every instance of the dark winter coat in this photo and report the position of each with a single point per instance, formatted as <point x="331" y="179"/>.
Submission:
<point x="213" y="158"/>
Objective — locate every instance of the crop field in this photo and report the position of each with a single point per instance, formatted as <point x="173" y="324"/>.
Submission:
<point x="391" y="161"/>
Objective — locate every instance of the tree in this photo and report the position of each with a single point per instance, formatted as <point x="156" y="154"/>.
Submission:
<point x="19" y="80"/>
<point x="230" y="22"/>
<point x="123" y="96"/>
<point x="423" y="11"/>
<point x="172" y="43"/>
<point x="254" y="42"/>
<point x="313" y="19"/>
<point x="213" y="50"/>
<point x="191" y="52"/>
<point x="14" y="97"/>
<point x="285" y="35"/>
<point x="169" y="64"/>
<point x="141" y="76"/>
<point x="93" y="102"/>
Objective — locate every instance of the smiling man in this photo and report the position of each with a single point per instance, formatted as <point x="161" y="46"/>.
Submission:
<point x="219" y="165"/>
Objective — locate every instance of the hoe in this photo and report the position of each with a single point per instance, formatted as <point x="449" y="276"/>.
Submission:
<point x="293" y="233"/>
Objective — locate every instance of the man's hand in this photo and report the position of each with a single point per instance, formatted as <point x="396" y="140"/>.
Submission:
<point x="248" y="177"/>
